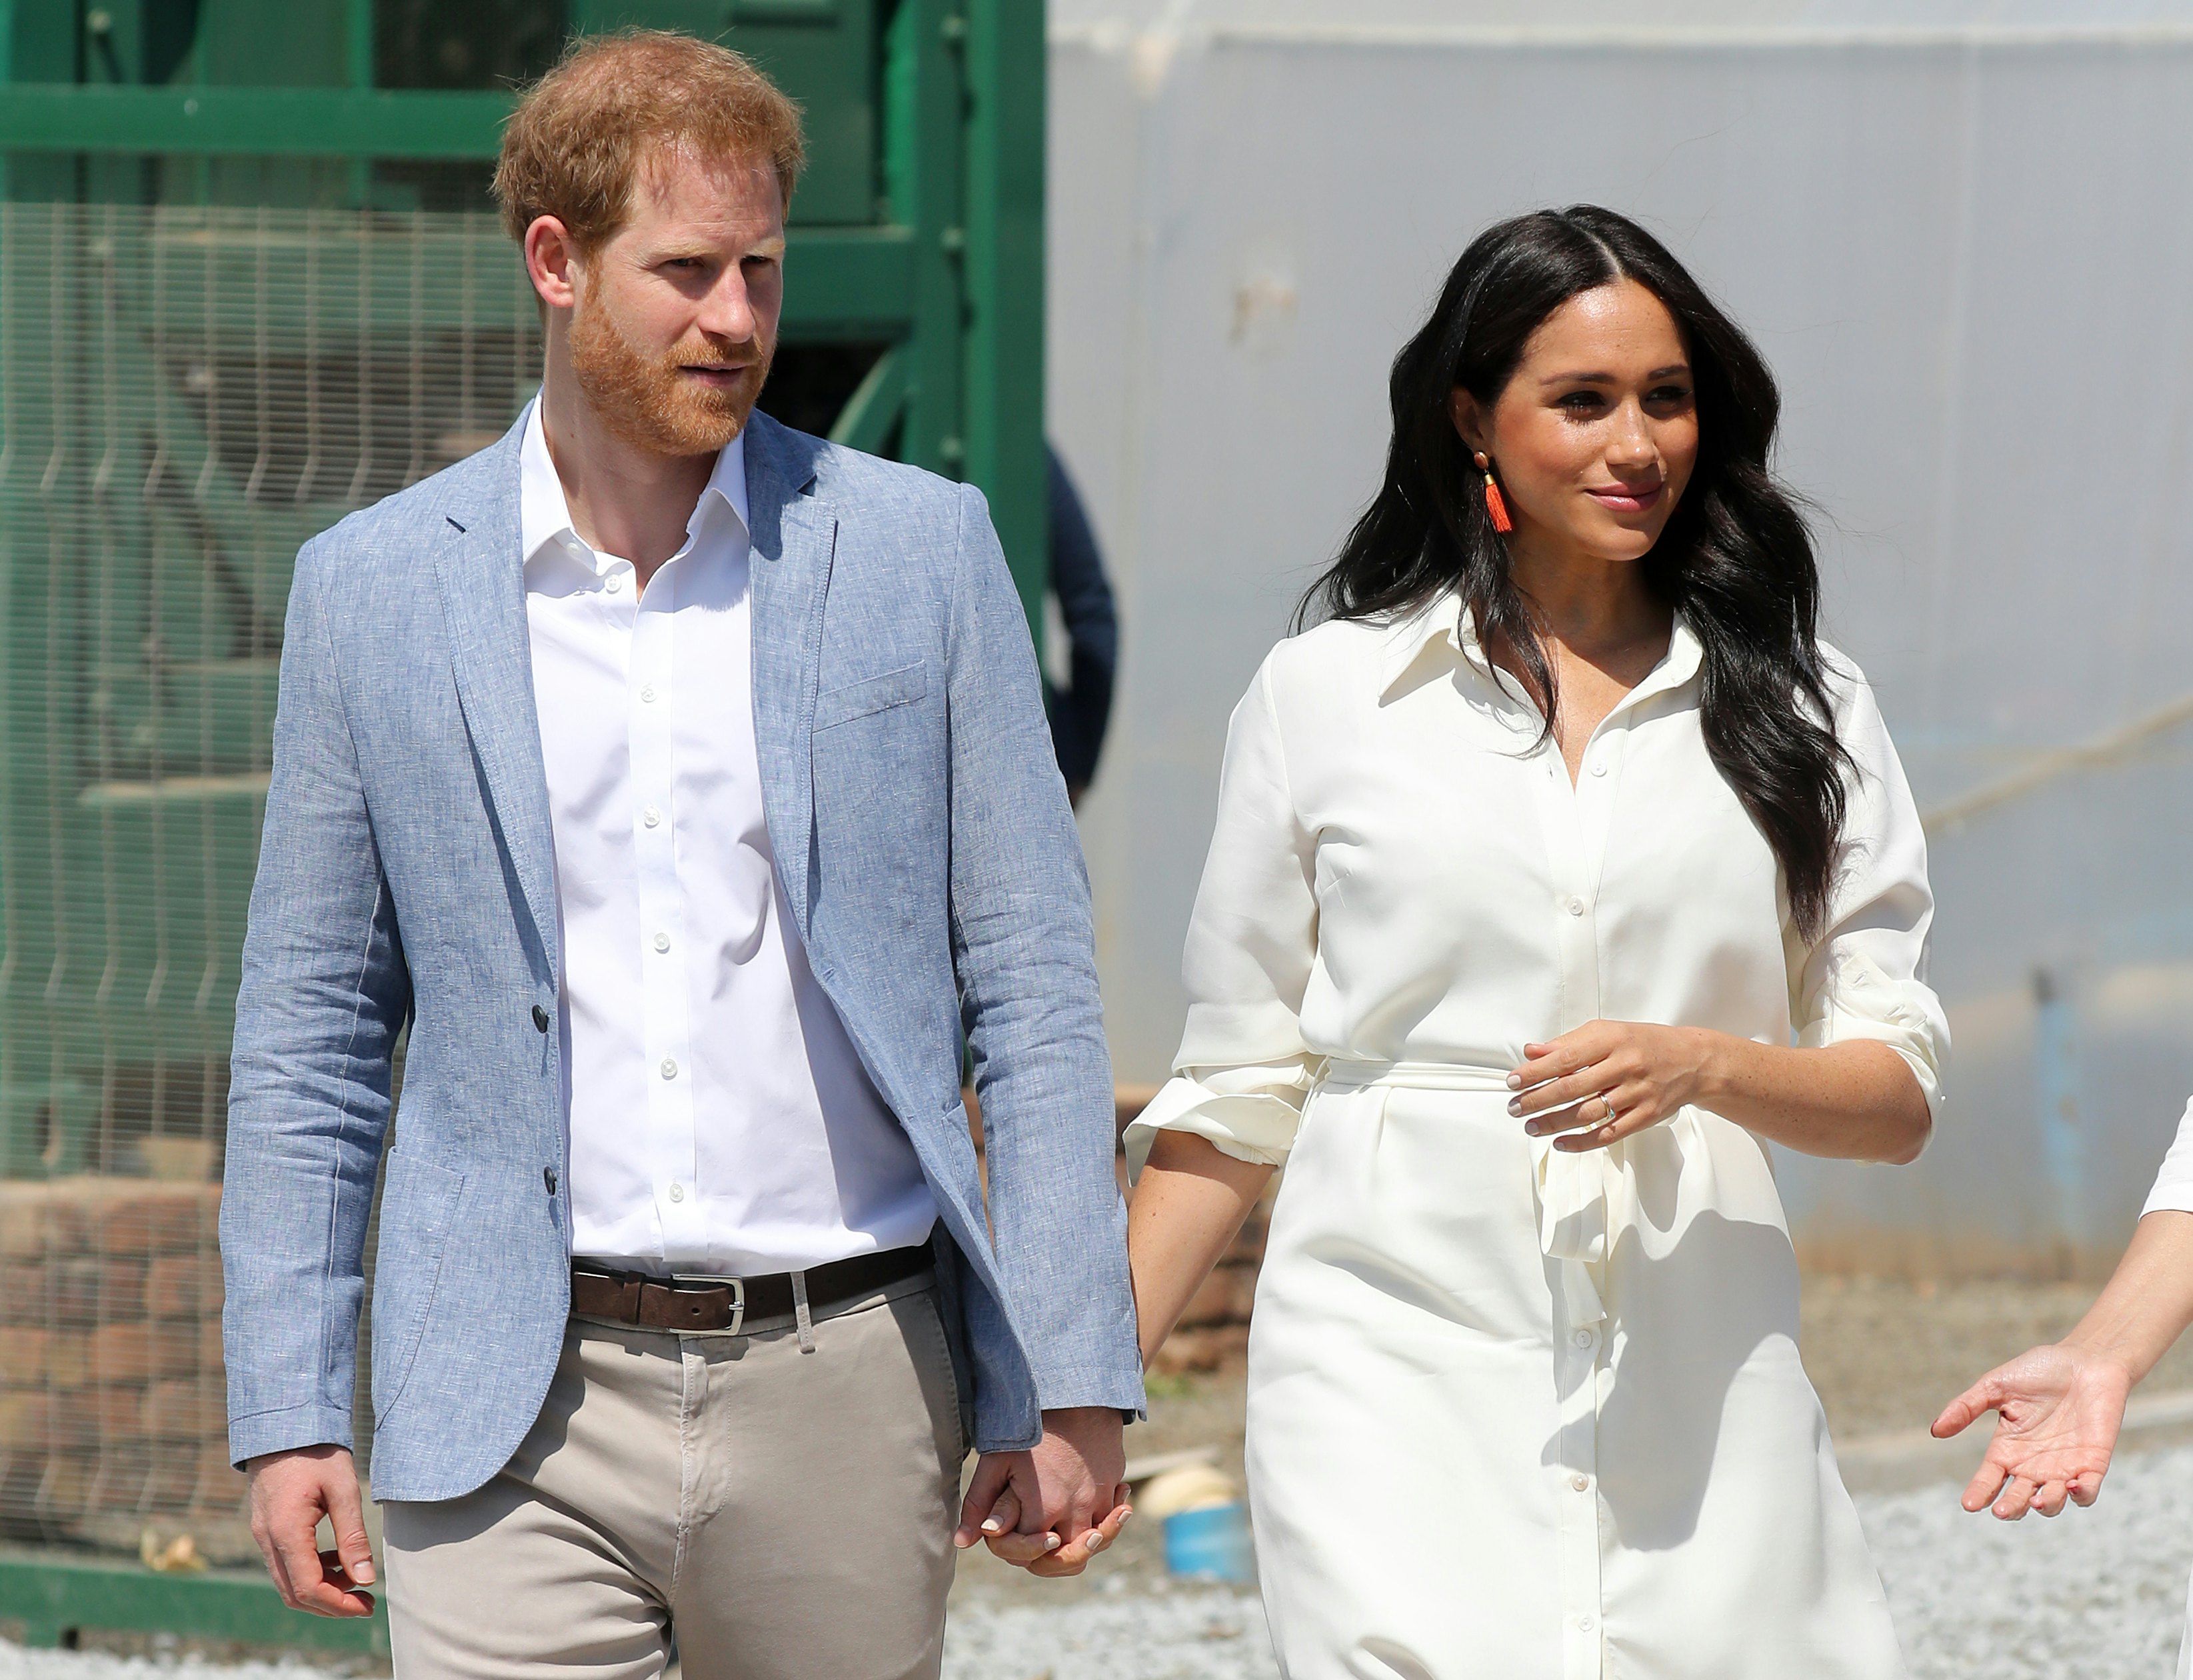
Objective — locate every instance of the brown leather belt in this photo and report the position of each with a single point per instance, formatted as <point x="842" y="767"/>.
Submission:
<point x="726" y="1304"/>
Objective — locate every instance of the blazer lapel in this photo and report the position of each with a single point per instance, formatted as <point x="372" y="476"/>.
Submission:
<point x="483" y="581"/>
<point x="795" y="540"/>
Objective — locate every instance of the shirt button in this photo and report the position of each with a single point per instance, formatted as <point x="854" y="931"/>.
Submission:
<point x="651" y="817"/>
<point x="1581" y="1483"/>
<point x="647" y="695"/>
<point x="1583" y="1624"/>
<point x="677" y="1192"/>
<point x="1599" y="769"/>
<point x="539" y="1019"/>
<point x="1576" y="907"/>
<point x="1583" y="1339"/>
<point x="662" y="943"/>
<point x="669" y="1068"/>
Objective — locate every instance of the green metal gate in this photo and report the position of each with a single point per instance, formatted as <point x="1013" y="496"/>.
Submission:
<point x="249" y="280"/>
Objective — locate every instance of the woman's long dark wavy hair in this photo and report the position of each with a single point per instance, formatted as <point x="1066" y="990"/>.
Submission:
<point x="1735" y="559"/>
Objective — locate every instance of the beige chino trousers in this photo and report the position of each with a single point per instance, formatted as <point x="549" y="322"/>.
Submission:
<point x="788" y="1513"/>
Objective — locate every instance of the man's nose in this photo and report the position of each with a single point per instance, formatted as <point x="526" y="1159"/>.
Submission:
<point x="728" y="312"/>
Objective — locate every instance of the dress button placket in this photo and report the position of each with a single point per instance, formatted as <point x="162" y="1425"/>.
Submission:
<point x="1575" y="827"/>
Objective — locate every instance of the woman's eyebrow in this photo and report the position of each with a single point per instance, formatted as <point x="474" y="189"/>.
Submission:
<point x="1668" y="372"/>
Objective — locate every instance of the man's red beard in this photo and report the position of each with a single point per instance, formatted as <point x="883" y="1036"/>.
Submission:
<point x="649" y="403"/>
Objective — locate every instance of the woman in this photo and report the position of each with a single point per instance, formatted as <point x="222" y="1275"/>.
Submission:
<point x="2058" y="1406"/>
<point x="1553" y="876"/>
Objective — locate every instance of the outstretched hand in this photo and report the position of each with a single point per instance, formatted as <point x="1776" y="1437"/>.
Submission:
<point x="1052" y="1509"/>
<point x="2058" y="1411"/>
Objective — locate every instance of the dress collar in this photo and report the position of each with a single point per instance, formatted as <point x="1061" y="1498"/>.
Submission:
<point x="1443" y="624"/>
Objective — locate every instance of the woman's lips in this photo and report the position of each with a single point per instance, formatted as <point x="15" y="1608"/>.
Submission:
<point x="1625" y="499"/>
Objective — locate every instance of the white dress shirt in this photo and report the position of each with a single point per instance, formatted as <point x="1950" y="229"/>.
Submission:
<point x="718" y="1118"/>
<point x="1594" y="1355"/>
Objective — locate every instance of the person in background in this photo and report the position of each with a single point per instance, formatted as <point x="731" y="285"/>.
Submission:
<point x="1079" y="711"/>
<point x="1556" y="873"/>
<point x="2058" y="1407"/>
<point x="680" y="782"/>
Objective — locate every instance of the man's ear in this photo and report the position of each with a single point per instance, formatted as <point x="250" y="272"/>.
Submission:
<point x="1468" y="416"/>
<point x="551" y="256"/>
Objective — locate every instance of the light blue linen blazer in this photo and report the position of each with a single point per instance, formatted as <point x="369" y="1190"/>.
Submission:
<point x="406" y="874"/>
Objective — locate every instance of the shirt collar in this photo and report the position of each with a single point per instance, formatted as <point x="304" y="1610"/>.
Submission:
<point x="1443" y="624"/>
<point x="544" y="515"/>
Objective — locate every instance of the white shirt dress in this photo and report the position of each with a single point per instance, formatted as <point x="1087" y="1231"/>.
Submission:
<point x="1515" y="1413"/>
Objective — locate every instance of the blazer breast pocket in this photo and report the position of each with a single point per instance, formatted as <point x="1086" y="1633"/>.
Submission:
<point x="871" y="694"/>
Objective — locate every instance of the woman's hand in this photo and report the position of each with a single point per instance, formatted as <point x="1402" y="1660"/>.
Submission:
<point x="1608" y="1080"/>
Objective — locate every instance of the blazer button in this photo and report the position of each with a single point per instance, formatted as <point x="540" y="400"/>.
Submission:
<point x="539" y="1019"/>
<point x="548" y="1177"/>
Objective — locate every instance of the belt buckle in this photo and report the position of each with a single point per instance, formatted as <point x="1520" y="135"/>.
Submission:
<point x="738" y="1289"/>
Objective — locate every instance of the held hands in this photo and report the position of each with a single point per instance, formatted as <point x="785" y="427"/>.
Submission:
<point x="1053" y="1509"/>
<point x="290" y="1492"/>
<point x="1607" y="1080"/>
<point x="2058" y="1411"/>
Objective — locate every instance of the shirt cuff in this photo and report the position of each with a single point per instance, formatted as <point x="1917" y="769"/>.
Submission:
<point x="1250" y="1114"/>
<point x="1860" y="1002"/>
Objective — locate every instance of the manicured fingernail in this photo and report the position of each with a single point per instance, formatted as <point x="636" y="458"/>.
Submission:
<point x="1125" y="1514"/>
<point x="1051" y="1542"/>
<point x="992" y="1526"/>
<point x="1514" y="1105"/>
<point x="1514" y="1082"/>
<point x="1097" y="1543"/>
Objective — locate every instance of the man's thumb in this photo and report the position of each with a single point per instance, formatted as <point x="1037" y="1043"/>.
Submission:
<point x="347" y="1516"/>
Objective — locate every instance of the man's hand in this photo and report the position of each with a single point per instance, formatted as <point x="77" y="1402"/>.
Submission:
<point x="2058" y="1409"/>
<point x="290" y="1492"/>
<point x="1051" y="1510"/>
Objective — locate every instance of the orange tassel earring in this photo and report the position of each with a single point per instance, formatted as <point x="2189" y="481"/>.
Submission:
<point x="1494" y="505"/>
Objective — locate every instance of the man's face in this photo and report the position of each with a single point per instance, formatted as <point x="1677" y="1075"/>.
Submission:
<point x="674" y="319"/>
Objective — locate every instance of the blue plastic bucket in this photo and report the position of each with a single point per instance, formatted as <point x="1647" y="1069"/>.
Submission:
<point x="1213" y="1542"/>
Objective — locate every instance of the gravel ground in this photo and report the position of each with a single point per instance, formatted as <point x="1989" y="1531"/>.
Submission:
<point x="2097" y="1595"/>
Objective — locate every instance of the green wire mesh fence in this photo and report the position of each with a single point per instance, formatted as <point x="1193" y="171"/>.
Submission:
<point x="186" y="395"/>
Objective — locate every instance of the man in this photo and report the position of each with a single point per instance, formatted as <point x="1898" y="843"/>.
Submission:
<point x="682" y="781"/>
<point x="1080" y="711"/>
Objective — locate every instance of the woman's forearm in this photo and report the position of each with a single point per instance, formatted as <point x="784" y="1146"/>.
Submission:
<point x="1853" y="1101"/>
<point x="1186" y="1209"/>
<point x="2149" y="1300"/>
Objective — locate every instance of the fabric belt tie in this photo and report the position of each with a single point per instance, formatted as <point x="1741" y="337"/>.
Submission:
<point x="1571" y="1187"/>
<point x="717" y="1304"/>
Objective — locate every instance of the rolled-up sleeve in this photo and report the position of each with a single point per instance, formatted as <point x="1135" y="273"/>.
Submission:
<point x="1243" y="1071"/>
<point x="1865" y="977"/>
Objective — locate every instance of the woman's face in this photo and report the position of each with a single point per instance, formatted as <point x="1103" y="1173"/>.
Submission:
<point x="1594" y="438"/>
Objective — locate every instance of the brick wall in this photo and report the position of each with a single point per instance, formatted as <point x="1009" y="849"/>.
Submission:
<point x="113" y="1414"/>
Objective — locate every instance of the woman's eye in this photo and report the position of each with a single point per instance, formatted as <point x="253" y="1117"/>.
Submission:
<point x="1669" y="396"/>
<point x="1583" y="401"/>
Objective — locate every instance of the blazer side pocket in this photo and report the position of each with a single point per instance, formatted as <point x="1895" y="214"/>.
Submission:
<point x="418" y="1207"/>
<point x="878" y="693"/>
